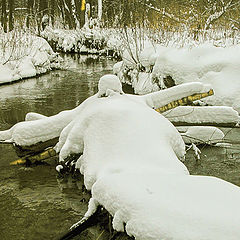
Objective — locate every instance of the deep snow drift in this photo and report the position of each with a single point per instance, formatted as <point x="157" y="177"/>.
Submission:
<point x="218" y="66"/>
<point x="24" y="55"/>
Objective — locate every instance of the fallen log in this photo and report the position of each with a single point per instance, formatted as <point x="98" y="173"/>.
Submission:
<point x="48" y="153"/>
<point x="23" y="151"/>
<point x="184" y="101"/>
<point x="100" y="217"/>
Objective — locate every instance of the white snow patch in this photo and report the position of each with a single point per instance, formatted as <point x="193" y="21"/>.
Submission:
<point x="202" y="135"/>
<point x="207" y="64"/>
<point x="203" y="114"/>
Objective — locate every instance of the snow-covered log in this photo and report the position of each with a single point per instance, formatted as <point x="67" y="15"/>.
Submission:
<point x="44" y="129"/>
<point x="204" y="115"/>
<point x="130" y="159"/>
<point x="130" y="162"/>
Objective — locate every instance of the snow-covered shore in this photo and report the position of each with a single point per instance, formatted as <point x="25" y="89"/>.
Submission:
<point x="24" y="55"/>
<point x="157" y="67"/>
<point x="84" y="41"/>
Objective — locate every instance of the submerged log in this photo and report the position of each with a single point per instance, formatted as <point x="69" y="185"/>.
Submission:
<point x="48" y="153"/>
<point x="23" y="151"/>
<point x="102" y="218"/>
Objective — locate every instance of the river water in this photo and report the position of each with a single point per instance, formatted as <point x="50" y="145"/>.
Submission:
<point x="34" y="203"/>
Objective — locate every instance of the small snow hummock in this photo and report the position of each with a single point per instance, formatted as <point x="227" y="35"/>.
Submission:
<point x="202" y="135"/>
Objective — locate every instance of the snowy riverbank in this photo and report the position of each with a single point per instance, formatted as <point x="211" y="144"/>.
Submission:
<point x="24" y="55"/>
<point x="84" y="41"/>
<point x="157" y="67"/>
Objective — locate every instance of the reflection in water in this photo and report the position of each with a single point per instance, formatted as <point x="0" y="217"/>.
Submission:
<point x="33" y="203"/>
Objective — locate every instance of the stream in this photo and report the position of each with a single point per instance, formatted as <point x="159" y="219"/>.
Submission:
<point x="34" y="203"/>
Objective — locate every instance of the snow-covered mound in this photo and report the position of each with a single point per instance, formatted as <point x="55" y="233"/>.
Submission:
<point x="151" y="205"/>
<point x="30" y="58"/>
<point x="110" y="138"/>
<point x="130" y="162"/>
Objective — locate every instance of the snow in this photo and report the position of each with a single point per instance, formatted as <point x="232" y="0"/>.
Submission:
<point x="202" y="135"/>
<point x="155" y="206"/>
<point x="31" y="56"/>
<point x="109" y="81"/>
<point x="38" y="128"/>
<point x="214" y="65"/>
<point x="84" y="40"/>
<point x="206" y="63"/>
<point x="163" y="97"/>
<point x="203" y="115"/>
<point x="131" y="163"/>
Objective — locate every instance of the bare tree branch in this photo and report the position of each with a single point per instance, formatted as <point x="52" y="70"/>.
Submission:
<point x="215" y="16"/>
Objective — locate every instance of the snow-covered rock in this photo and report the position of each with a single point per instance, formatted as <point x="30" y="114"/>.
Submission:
<point x="203" y="115"/>
<point x="202" y="135"/>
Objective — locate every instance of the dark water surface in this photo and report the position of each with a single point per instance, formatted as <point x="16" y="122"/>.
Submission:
<point x="34" y="204"/>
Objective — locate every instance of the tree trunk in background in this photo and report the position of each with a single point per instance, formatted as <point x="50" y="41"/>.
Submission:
<point x="82" y="12"/>
<point x="43" y="10"/>
<point x="4" y="16"/>
<point x="69" y="13"/>
<point x="62" y="10"/>
<point x="99" y="10"/>
<point x="29" y="12"/>
<point x="75" y="13"/>
<point x="52" y="6"/>
<point x="11" y="17"/>
<point x="43" y="7"/>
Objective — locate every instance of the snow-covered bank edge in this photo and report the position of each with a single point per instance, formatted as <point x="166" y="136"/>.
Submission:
<point x="84" y="41"/>
<point x="157" y="67"/>
<point x="24" y="56"/>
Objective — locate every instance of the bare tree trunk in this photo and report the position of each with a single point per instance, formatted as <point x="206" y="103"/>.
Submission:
<point x="82" y="14"/>
<point x="29" y="12"/>
<point x="74" y="13"/>
<point x="52" y="6"/>
<point x="99" y="10"/>
<point x="4" y="15"/>
<point x="11" y="12"/>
